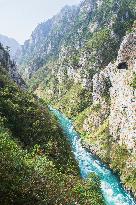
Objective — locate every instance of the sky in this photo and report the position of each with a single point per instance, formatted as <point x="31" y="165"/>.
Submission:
<point x="18" y="18"/>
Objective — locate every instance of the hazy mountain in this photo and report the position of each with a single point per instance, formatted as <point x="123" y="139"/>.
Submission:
<point x="13" y="45"/>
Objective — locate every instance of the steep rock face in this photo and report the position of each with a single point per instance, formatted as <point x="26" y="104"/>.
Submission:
<point x="108" y="127"/>
<point x="119" y="77"/>
<point x="46" y="40"/>
<point x="74" y="45"/>
<point x="70" y="52"/>
<point x="123" y="95"/>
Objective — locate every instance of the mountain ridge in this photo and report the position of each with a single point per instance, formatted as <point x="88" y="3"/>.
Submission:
<point x="68" y="68"/>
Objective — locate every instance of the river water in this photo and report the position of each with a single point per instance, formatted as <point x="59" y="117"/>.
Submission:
<point x="112" y="189"/>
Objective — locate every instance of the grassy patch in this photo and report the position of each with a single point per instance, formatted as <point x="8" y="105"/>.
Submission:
<point x="133" y="83"/>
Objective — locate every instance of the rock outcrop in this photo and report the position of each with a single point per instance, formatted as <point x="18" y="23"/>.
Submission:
<point x="114" y="96"/>
<point x="122" y="118"/>
<point x="123" y="95"/>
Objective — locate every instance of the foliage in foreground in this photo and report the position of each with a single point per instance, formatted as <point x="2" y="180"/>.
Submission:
<point x="31" y="123"/>
<point x="36" y="162"/>
<point x="28" y="178"/>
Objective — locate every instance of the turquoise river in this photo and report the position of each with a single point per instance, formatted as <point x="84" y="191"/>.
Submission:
<point x="112" y="189"/>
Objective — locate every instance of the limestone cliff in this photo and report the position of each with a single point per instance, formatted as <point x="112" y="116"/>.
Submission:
<point x="108" y="127"/>
<point x="122" y="95"/>
<point x="80" y="62"/>
<point x="77" y="42"/>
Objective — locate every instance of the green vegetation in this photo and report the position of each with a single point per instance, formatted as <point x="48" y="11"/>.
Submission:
<point x="121" y="159"/>
<point x="31" y="123"/>
<point x="103" y="145"/>
<point x="133" y="84"/>
<point x="101" y="43"/>
<point x="126" y="17"/>
<point x="75" y="60"/>
<point x="29" y="178"/>
<point x="79" y="48"/>
<point x="36" y="162"/>
<point x="120" y="15"/>
<point x="79" y="119"/>
<point x="75" y="101"/>
<point x="69" y="44"/>
<point x="102" y="140"/>
<point x="99" y="139"/>
<point x="85" y="114"/>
